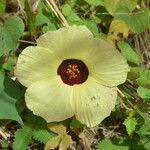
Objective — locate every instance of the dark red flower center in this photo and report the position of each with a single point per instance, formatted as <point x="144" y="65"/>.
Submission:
<point x="73" y="71"/>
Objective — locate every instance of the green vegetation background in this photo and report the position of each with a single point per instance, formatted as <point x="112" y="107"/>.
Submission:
<point x="123" y="23"/>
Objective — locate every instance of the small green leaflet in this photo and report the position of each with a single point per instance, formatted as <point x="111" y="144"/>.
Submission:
<point x="70" y="14"/>
<point x="66" y="9"/>
<point x="143" y="92"/>
<point x="130" y="124"/>
<point x="119" y="143"/>
<point x="134" y="73"/>
<point x="23" y="137"/>
<point x="145" y="128"/>
<point x="35" y="127"/>
<point x="42" y="135"/>
<point x="128" y="52"/>
<point x="107" y="144"/>
<point x="144" y="78"/>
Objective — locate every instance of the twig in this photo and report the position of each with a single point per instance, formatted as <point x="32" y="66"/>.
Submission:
<point x="121" y="101"/>
<point x="121" y="13"/>
<point x="35" y="5"/>
<point x="28" y="42"/>
<point x="21" y="9"/>
<point x="120" y="92"/>
<point x="57" y="12"/>
<point x="123" y="104"/>
<point x="3" y="134"/>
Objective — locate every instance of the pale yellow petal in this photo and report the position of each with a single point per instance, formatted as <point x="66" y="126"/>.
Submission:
<point x="35" y="63"/>
<point x="67" y="42"/>
<point x="106" y="64"/>
<point x="92" y="102"/>
<point x="50" y="99"/>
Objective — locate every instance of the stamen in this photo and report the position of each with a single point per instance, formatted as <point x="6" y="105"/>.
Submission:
<point x="72" y="71"/>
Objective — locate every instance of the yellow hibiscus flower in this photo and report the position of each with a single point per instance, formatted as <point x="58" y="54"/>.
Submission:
<point x="71" y="73"/>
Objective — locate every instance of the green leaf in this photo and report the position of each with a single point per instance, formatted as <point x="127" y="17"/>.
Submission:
<point x="137" y="21"/>
<point x="15" y="27"/>
<point x="39" y="128"/>
<point x="1" y="80"/>
<point x="143" y="92"/>
<point x="75" y="124"/>
<point x="130" y="124"/>
<point x="9" y="94"/>
<point x="42" y="135"/>
<point x="119" y="143"/>
<point x="35" y="127"/>
<point x="23" y="137"/>
<point x="113" y="5"/>
<point x="92" y="26"/>
<point x="52" y="27"/>
<point x="6" y="41"/>
<point x="41" y="19"/>
<point x="128" y="52"/>
<point x="134" y="73"/>
<point x="95" y="2"/>
<point x="2" y="6"/>
<point x="9" y="64"/>
<point x="73" y="17"/>
<point x="144" y="79"/>
<point x="108" y="144"/>
<point x="10" y="33"/>
<point x="66" y="9"/>
<point x="144" y="130"/>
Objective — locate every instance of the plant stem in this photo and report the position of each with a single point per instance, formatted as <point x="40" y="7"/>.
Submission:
<point x="57" y="12"/>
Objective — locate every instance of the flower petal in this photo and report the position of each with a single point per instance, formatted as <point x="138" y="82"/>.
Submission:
<point x="35" y="63"/>
<point x="106" y="64"/>
<point x="68" y="42"/>
<point x="92" y="102"/>
<point x="50" y="99"/>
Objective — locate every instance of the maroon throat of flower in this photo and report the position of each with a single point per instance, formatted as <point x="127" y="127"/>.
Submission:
<point x="73" y="71"/>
